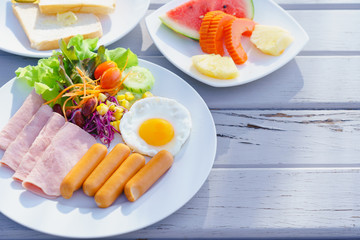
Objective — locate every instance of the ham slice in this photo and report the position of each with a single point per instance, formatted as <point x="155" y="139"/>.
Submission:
<point x="19" y="147"/>
<point x="65" y="150"/>
<point x="30" y="106"/>
<point x="37" y="149"/>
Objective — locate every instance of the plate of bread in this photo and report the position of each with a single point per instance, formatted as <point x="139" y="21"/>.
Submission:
<point x="33" y="28"/>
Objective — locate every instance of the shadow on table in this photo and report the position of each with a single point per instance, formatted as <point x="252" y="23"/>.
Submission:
<point x="179" y="219"/>
<point x="276" y="90"/>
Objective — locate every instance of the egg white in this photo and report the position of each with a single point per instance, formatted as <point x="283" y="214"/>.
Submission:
<point x="156" y="107"/>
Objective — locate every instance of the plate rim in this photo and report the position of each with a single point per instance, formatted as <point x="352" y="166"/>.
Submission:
<point x="176" y="208"/>
<point x="48" y="53"/>
<point x="217" y="82"/>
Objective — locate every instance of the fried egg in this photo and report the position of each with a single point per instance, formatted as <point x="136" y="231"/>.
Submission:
<point x="156" y="123"/>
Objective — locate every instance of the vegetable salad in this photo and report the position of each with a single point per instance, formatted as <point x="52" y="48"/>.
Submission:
<point x="92" y="89"/>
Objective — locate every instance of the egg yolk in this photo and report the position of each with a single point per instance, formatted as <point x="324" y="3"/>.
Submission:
<point x="156" y="131"/>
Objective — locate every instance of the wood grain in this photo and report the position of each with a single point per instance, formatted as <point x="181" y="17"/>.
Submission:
<point x="287" y="163"/>
<point x="293" y="2"/>
<point x="325" y="39"/>
<point x="303" y="83"/>
<point x="272" y="138"/>
<point x="250" y="202"/>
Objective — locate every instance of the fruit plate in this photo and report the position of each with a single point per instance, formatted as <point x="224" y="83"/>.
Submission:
<point x="115" y="26"/>
<point x="179" y="49"/>
<point x="79" y="217"/>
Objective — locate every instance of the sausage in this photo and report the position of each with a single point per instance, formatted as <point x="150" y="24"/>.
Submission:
<point x="148" y="175"/>
<point x="77" y="175"/>
<point x="104" y="170"/>
<point x="114" y="186"/>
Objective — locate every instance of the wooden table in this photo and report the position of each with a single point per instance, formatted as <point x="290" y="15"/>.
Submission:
<point x="288" y="156"/>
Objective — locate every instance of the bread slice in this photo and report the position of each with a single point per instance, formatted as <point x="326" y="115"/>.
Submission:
<point x="97" y="7"/>
<point x="44" y="31"/>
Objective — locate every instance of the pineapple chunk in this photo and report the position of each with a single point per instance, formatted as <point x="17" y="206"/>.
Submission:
<point x="272" y="40"/>
<point x="215" y="66"/>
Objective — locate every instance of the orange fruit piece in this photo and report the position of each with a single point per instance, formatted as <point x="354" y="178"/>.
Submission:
<point x="216" y="33"/>
<point x="204" y="28"/>
<point x="233" y="32"/>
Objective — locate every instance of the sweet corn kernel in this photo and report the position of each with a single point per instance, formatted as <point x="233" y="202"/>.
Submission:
<point x="129" y="96"/>
<point x="118" y="115"/>
<point x="125" y="103"/>
<point x="109" y="103"/>
<point x="102" y="97"/>
<point x="147" y="94"/>
<point x="102" y="109"/>
<point x="120" y="97"/>
<point x="112" y="108"/>
<point x="119" y="109"/>
<point x="115" y="124"/>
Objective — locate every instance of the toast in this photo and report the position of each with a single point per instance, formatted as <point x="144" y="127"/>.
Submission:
<point x="45" y="31"/>
<point x="98" y="7"/>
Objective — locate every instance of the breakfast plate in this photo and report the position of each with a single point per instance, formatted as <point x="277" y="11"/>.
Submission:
<point x="79" y="216"/>
<point x="179" y="49"/>
<point x="116" y="25"/>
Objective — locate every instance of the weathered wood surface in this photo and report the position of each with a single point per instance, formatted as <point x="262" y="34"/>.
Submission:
<point x="287" y="162"/>
<point x="255" y="202"/>
<point x="287" y="138"/>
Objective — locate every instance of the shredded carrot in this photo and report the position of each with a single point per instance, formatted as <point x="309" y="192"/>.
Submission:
<point x="62" y="92"/>
<point x="86" y="90"/>
<point x="126" y="63"/>
<point x="63" y="107"/>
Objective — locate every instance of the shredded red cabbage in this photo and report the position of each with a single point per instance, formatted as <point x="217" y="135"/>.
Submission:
<point x="99" y="126"/>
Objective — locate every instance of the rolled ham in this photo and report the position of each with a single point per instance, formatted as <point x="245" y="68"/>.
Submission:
<point x="65" y="150"/>
<point x="22" y="117"/>
<point x="37" y="149"/>
<point x="20" y="146"/>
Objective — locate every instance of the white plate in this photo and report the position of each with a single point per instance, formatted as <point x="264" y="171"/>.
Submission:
<point x="127" y="15"/>
<point x="179" y="49"/>
<point x="79" y="216"/>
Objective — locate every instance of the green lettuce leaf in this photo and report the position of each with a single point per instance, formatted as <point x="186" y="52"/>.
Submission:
<point x="79" y="48"/>
<point x="53" y="74"/>
<point x="44" y="77"/>
<point x="120" y="55"/>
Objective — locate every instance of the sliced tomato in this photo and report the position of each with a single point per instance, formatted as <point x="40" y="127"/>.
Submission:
<point x="101" y="68"/>
<point x="110" y="78"/>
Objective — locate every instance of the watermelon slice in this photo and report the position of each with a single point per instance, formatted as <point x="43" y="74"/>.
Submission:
<point x="186" y="19"/>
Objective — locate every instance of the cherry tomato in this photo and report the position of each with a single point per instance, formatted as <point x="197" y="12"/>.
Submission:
<point x="101" y="68"/>
<point x="110" y="78"/>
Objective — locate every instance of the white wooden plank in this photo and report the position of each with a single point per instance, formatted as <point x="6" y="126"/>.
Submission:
<point x="304" y="83"/>
<point x="269" y="203"/>
<point x="318" y="4"/>
<point x="315" y="2"/>
<point x="289" y="1"/>
<point x="294" y="4"/>
<point x="262" y="203"/>
<point x="287" y="138"/>
<point x="329" y="30"/>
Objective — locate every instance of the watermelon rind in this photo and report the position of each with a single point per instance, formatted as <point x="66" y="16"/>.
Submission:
<point x="252" y="9"/>
<point x="183" y="30"/>
<point x="192" y="33"/>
